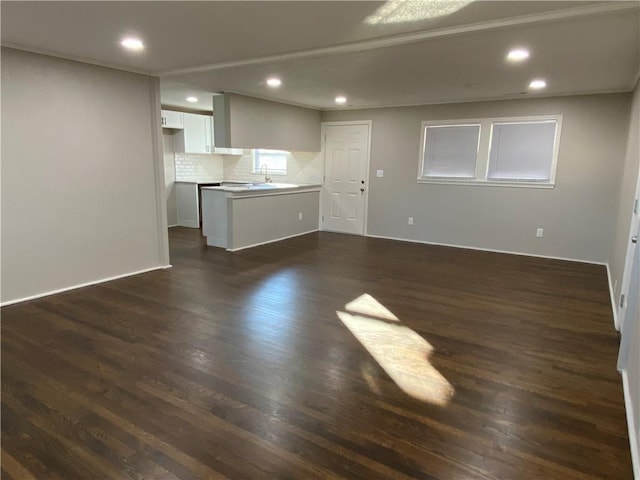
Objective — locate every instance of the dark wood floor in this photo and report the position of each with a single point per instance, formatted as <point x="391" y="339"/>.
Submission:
<point x="237" y="366"/>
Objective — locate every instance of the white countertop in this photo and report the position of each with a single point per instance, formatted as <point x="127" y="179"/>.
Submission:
<point x="199" y="182"/>
<point x="260" y="189"/>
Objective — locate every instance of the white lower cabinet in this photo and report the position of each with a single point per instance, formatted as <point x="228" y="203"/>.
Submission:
<point x="188" y="205"/>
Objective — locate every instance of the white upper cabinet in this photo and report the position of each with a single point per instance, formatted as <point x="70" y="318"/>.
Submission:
<point x="197" y="134"/>
<point x="170" y="119"/>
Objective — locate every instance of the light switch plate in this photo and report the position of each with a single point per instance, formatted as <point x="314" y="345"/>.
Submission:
<point x="380" y="173"/>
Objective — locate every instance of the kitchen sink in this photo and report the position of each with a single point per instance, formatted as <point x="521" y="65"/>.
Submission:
<point x="271" y="185"/>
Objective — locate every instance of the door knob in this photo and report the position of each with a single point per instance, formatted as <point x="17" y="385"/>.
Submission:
<point x="634" y="239"/>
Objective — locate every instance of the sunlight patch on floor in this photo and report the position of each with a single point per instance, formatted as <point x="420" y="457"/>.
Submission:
<point x="401" y="352"/>
<point x="366" y="305"/>
<point x="370" y="377"/>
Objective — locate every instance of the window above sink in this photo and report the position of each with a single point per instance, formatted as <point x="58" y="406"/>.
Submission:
<point x="274" y="160"/>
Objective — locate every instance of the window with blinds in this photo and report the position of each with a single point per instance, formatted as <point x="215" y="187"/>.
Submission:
<point x="522" y="151"/>
<point x="514" y="151"/>
<point x="450" y="151"/>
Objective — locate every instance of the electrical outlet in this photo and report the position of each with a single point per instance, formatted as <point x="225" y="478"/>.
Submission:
<point x="379" y="173"/>
<point x="540" y="232"/>
<point x="300" y="216"/>
<point x="410" y="220"/>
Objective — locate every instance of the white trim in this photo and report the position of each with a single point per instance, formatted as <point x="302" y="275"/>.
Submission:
<point x="497" y="98"/>
<point x="174" y="225"/>
<point x="74" y="58"/>
<point x="612" y="296"/>
<point x="492" y="250"/>
<point x="323" y="132"/>
<point x="483" y="152"/>
<point x="634" y="441"/>
<point x="628" y="256"/>
<point x="368" y="186"/>
<point x="271" y="241"/>
<point x="486" y="183"/>
<point x="347" y="122"/>
<point x="424" y="136"/>
<point x="531" y="119"/>
<point x="404" y="39"/>
<point x="82" y="285"/>
<point x="188" y="223"/>
<point x="255" y="155"/>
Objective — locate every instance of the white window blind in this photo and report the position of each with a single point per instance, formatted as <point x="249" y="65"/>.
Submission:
<point x="450" y="151"/>
<point x="275" y="161"/>
<point x="522" y="151"/>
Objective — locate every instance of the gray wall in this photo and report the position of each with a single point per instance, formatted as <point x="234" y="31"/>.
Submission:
<point x="627" y="191"/>
<point x="577" y="215"/>
<point x="255" y="219"/>
<point x="622" y="234"/>
<point x="257" y="123"/>
<point x="79" y="175"/>
<point x="168" y="151"/>
<point x="631" y="328"/>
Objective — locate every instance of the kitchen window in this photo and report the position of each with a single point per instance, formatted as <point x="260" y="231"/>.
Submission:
<point x="275" y="161"/>
<point x="512" y="152"/>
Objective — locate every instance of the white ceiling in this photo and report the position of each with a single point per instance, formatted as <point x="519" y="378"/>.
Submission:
<point x="405" y="52"/>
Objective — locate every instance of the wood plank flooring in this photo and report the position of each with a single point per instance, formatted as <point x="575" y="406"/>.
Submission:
<point x="237" y="366"/>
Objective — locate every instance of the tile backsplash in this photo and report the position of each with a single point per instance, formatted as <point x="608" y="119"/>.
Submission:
<point x="199" y="167"/>
<point x="302" y="167"/>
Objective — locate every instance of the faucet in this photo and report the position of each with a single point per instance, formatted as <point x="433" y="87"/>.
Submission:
<point x="267" y="178"/>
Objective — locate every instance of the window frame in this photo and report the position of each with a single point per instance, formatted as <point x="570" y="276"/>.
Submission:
<point x="484" y="152"/>
<point x="257" y="164"/>
<point x="423" y="145"/>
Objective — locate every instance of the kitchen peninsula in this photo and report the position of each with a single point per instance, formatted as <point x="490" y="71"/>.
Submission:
<point x="235" y="217"/>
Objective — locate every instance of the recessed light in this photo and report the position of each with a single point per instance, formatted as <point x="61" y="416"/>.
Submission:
<point x="341" y="99"/>
<point x="131" y="43"/>
<point x="518" y="55"/>
<point x="192" y="99"/>
<point x="537" y="84"/>
<point x="274" y="82"/>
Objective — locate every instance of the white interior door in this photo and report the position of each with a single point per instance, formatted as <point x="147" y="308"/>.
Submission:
<point x="625" y="287"/>
<point x="631" y="314"/>
<point x="346" y="156"/>
<point x="629" y="356"/>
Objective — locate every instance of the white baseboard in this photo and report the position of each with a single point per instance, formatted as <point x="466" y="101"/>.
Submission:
<point x="612" y="295"/>
<point x="188" y="223"/>
<point x="174" y="225"/>
<point x="634" y="441"/>
<point x="87" y="284"/>
<point x="487" y="249"/>
<point x="271" y="241"/>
